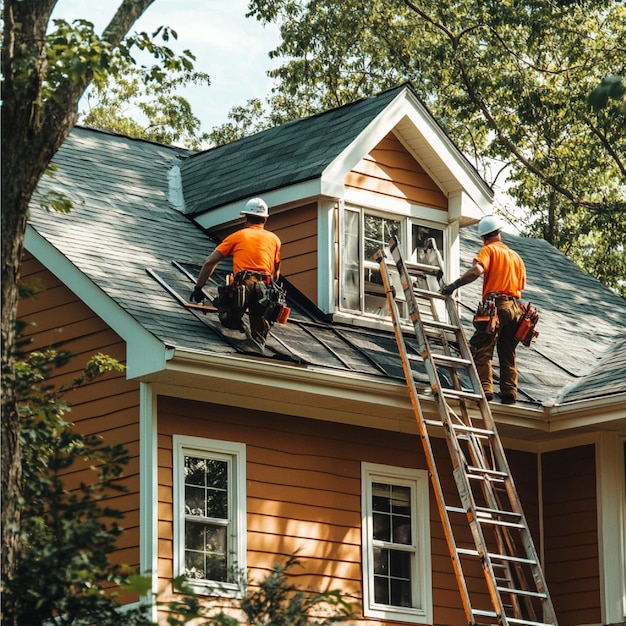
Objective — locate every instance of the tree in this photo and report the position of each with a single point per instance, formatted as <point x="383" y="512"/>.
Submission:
<point x="129" y="102"/>
<point x="63" y="573"/>
<point x="508" y="81"/>
<point x="44" y="78"/>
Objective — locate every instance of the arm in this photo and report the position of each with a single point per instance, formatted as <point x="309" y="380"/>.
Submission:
<point x="205" y="273"/>
<point x="208" y="268"/>
<point x="467" y="277"/>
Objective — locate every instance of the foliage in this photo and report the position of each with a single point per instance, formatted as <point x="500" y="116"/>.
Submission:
<point x="142" y="101"/>
<point x="273" y="601"/>
<point x="66" y="534"/>
<point x="45" y="74"/>
<point x="509" y="81"/>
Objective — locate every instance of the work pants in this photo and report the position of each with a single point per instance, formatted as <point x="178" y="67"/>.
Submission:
<point x="231" y="312"/>
<point x="482" y="345"/>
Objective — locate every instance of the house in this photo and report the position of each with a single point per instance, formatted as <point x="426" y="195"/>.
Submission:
<point x="240" y="459"/>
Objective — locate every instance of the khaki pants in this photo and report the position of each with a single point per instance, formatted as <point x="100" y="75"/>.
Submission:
<point x="482" y="345"/>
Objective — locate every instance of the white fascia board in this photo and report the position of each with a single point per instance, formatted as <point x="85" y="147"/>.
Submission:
<point x="232" y="212"/>
<point x="440" y="154"/>
<point x="145" y="354"/>
<point x="587" y="413"/>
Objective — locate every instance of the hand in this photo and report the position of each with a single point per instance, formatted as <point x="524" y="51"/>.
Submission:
<point x="447" y="290"/>
<point x="197" y="295"/>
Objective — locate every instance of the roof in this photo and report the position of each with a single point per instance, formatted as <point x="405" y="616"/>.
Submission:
<point x="126" y="239"/>
<point x="304" y="150"/>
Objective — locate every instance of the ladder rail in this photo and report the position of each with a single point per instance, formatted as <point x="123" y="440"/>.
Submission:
<point x="425" y="439"/>
<point x="476" y="452"/>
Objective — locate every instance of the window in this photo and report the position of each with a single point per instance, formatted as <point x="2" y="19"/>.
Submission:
<point x="363" y="234"/>
<point x="396" y="544"/>
<point x="210" y="516"/>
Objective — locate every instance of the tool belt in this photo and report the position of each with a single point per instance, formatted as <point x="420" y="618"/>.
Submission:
<point x="486" y="315"/>
<point x="270" y="297"/>
<point x="526" y="332"/>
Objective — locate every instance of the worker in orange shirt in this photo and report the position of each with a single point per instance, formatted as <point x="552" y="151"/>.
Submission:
<point x="504" y="279"/>
<point x="256" y="266"/>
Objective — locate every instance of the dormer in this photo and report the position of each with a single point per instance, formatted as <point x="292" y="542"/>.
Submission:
<point x="339" y="184"/>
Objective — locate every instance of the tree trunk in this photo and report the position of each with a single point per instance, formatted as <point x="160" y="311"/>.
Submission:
<point x="33" y="131"/>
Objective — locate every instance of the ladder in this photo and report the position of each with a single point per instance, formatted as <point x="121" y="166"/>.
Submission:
<point x="499" y="542"/>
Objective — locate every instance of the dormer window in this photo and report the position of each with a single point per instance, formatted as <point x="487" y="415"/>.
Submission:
<point x="364" y="231"/>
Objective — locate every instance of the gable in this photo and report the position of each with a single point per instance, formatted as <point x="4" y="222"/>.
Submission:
<point x="390" y="172"/>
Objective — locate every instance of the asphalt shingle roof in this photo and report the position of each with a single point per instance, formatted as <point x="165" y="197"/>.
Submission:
<point x="123" y="233"/>
<point x="285" y="155"/>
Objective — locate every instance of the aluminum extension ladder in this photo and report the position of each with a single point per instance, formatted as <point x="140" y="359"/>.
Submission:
<point x="502" y="547"/>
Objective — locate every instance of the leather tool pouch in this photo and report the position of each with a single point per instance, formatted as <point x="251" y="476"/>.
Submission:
<point x="486" y="316"/>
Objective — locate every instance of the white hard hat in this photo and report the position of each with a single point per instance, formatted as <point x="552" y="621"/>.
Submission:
<point x="256" y="206"/>
<point x="489" y="224"/>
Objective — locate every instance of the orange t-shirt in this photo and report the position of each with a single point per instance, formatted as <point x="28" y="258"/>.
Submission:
<point x="253" y="248"/>
<point x="505" y="272"/>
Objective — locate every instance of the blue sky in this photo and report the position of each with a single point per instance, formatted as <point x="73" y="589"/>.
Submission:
<point x="229" y="47"/>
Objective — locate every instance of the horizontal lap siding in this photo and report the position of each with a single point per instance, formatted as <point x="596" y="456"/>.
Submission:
<point x="389" y="170"/>
<point x="304" y="494"/>
<point x="571" y="534"/>
<point x="109" y="406"/>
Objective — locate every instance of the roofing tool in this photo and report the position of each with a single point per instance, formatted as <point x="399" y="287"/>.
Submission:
<point x="526" y="332"/>
<point x="513" y="590"/>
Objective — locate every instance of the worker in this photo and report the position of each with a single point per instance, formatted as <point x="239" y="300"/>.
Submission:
<point x="256" y="267"/>
<point x="504" y="279"/>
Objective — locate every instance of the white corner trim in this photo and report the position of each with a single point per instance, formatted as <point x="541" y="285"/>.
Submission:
<point x="611" y="520"/>
<point x="144" y="352"/>
<point x="148" y="487"/>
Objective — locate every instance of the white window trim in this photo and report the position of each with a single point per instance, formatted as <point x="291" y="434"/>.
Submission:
<point x="407" y="221"/>
<point x="417" y="481"/>
<point x="183" y="445"/>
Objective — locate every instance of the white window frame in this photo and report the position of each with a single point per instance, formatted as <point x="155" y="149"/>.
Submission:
<point x="407" y="222"/>
<point x="417" y="481"/>
<point x="235" y="454"/>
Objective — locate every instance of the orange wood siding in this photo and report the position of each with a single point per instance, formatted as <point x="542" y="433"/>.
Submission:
<point x="389" y="170"/>
<point x="109" y="406"/>
<point x="304" y="493"/>
<point x="571" y="534"/>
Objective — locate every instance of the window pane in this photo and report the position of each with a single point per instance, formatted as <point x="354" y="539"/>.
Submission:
<point x="421" y="234"/>
<point x="206" y="491"/>
<point x="401" y="593"/>
<point x="205" y="551"/>
<point x="391" y="506"/>
<point x="350" y="287"/>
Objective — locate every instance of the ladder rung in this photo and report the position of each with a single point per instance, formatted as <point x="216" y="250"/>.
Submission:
<point x="475" y="431"/>
<point x="483" y="613"/>
<point x="498" y="522"/>
<point x="486" y="472"/>
<point x="522" y="592"/>
<point x="526" y="622"/>
<point x="427" y="295"/>
<point x="461" y="394"/>
<point x="444" y="359"/>
<point x="421" y="268"/>
<point x="440" y="325"/>
<point x="486" y="511"/>
<point x="497" y="557"/>
<point x="434" y="423"/>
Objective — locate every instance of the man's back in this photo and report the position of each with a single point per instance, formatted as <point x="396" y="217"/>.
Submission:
<point x="504" y="270"/>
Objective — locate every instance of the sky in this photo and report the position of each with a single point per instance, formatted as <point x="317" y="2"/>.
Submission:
<point x="229" y="47"/>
